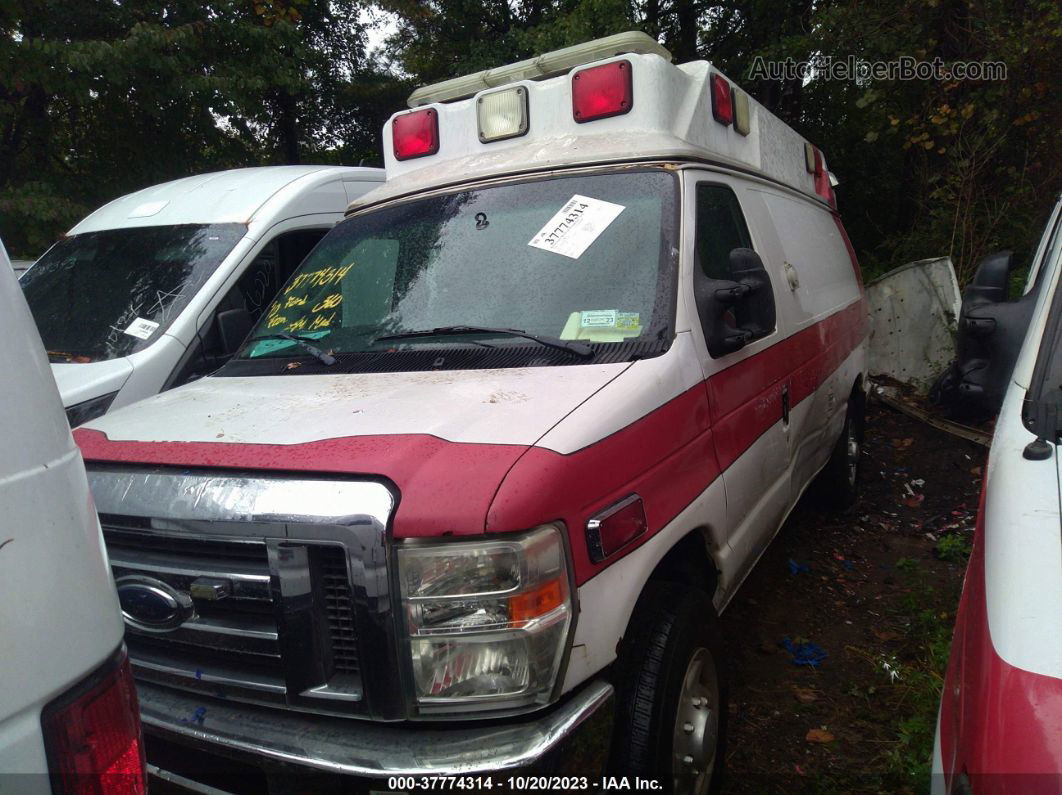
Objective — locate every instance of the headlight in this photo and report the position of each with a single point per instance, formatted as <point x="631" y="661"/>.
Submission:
<point x="87" y="410"/>
<point x="487" y="621"/>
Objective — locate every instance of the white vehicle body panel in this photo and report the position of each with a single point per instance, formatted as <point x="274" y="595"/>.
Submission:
<point x="1023" y="538"/>
<point x="59" y="616"/>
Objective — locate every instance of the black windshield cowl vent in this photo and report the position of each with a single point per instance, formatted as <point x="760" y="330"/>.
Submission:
<point x="455" y="358"/>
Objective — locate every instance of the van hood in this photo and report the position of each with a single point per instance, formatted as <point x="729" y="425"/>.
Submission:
<point x="444" y="439"/>
<point x="80" y="382"/>
<point x="510" y="406"/>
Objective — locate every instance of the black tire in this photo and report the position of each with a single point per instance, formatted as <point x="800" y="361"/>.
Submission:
<point x="837" y="485"/>
<point x="673" y="631"/>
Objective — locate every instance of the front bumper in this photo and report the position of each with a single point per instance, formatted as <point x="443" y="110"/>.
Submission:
<point x="376" y="750"/>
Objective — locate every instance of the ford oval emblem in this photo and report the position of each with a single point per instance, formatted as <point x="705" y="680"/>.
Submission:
<point x="152" y="605"/>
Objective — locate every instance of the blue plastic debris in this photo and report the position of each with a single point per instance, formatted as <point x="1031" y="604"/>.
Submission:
<point x="804" y="653"/>
<point x="797" y="568"/>
<point x="197" y="717"/>
<point x="198" y="673"/>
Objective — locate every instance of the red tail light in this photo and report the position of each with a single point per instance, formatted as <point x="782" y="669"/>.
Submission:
<point x="602" y="91"/>
<point x="92" y="735"/>
<point x="415" y="134"/>
<point x="615" y="527"/>
<point x="722" y="100"/>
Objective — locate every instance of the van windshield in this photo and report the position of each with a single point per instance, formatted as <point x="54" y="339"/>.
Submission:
<point x="586" y="258"/>
<point x="102" y="295"/>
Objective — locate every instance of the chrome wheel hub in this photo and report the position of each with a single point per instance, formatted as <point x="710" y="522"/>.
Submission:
<point x="852" y="443"/>
<point x="696" y="733"/>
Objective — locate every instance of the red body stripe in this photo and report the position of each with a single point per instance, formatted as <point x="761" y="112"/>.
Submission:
<point x="1003" y="726"/>
<point x="746" y="399"/>
<point x="669" y="456"/>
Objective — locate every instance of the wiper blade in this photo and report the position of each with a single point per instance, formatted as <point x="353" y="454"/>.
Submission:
<point x="321" y="356"/>
<point x="577" y="348"/>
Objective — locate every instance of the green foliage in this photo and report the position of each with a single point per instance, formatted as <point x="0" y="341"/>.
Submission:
<point x="954" y="548"/>
<point x="927" y="636"/>
<point x="98" y="99"/>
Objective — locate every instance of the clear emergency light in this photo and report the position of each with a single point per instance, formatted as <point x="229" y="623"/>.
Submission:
<point x="502" y="114"/>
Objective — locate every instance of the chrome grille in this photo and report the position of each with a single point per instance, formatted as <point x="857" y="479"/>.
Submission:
<point x="234" y="646"/>
<point x="293" y="585"/>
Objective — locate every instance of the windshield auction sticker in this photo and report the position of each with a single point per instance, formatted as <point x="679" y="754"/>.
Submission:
<point x="141" y="328"/>
<point x="578" y="224"/>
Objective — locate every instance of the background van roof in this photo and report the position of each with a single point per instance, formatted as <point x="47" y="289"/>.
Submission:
<point x="233" y="196"/>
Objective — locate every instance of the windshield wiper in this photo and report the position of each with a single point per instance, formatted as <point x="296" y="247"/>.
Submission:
<point x="578" y="348"/>
<point x="302" y="342"/>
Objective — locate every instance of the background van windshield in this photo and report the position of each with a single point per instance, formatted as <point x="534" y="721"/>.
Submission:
<point x="101" y="295"/>
<point x="465" y="259"/>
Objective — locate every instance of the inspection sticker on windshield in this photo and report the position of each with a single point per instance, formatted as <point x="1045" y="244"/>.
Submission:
<point x="578" y="224"/>
<point x="141" y="329"/>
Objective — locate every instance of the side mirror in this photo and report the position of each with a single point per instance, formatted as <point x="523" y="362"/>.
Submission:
<point x="233" y="327"/>
<point x="990" y="335"/>
<point x="990" y="281"/>
<point x="733" y="313"/>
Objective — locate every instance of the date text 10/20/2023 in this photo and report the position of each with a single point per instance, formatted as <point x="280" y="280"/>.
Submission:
<point x="399" y="784"/>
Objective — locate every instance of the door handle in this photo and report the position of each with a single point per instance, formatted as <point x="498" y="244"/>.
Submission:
<point x="785" y="403"/>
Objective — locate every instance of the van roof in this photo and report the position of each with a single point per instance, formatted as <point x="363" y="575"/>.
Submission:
<point x="218" y="197"/>
<point x="671" y="116"/>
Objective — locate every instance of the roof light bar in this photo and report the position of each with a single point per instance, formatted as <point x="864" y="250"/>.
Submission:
<point x="602" y="91"/>
<point x="551" y="63"/>
<point x="415" y="134"/>
<point x="502" y="114"/>
<point x="722" y="100"/>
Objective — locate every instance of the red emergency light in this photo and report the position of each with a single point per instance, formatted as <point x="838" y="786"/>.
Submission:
<point x="415" y="134"/>
<point x="722" y="100"/>
<point x="602" y="91"/>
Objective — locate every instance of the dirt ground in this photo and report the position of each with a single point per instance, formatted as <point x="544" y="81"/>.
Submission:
<point x="875" y="588"/>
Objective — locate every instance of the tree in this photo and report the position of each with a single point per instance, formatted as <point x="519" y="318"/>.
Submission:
<point x="98" y="99"/>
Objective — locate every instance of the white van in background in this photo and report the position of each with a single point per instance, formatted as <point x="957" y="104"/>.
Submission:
<point x="68" y="707"/>
<point x="160" y="287"/>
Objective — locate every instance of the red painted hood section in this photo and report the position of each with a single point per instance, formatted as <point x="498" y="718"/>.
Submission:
<point x="445" y="487"/>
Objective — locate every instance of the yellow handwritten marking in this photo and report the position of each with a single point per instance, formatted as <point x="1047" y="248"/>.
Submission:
<point x="294" y="300"/>
<point x="273" y="308"/>
<point x="297" y="324"/>
<point x="322" y="322"/>
<point x="319" y="278"/>
<point x="331" y="302"/>
<point x="276" y="320"/>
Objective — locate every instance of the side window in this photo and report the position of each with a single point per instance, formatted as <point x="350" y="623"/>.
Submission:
<point x="273" y="266"/>
<point x="241" y="307"/>
<point x="721" y="228"/>
<point x="731" y="287"/>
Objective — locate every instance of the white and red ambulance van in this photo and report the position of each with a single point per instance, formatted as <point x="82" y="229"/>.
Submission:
<point x="1000" y="725"/>
<point x="480" y="481"/>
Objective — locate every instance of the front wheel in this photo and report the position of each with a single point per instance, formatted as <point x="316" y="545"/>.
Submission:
<point x="671" y="693"/>
<point x="837" y="485"/>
